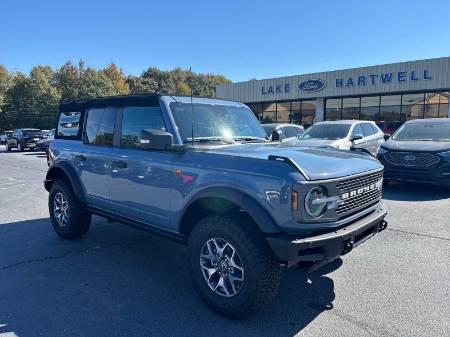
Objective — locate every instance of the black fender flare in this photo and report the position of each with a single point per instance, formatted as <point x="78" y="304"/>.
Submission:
<point x="255" y="210"/>
<point x="68" y="171"/>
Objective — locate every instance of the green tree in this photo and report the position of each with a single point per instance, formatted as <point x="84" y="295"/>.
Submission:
<point x="141" y="85"/>
<point x="5" y="83"/>
<point x="117" y="77"/>
<point x="95" y="84"/>
<point x="68" y="80"/>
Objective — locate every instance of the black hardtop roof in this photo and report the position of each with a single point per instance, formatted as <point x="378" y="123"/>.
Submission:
<point x="102" y="102"/>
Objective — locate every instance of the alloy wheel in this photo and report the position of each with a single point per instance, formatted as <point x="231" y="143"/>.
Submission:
<point x="222" y="267"/>
<point x="61" y="209"/>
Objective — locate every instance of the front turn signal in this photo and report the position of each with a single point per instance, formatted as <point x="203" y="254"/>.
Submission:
<point x="294" y="199"/>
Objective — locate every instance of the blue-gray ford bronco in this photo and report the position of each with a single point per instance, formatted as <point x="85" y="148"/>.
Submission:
<point x="201" y="171"/>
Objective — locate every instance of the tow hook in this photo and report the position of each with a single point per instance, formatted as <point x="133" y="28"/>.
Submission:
<point x="382" y="226"/>
<point x="348" y="246"/>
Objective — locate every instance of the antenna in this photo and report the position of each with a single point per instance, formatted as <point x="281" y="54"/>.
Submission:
<point x="192" y="111"/>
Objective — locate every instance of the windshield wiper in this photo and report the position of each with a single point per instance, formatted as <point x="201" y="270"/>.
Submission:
<point x="207" y="140"/>
<point x="250" y="139"/>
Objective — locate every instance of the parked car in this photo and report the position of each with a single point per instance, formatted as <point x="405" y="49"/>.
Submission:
<point x="343" y="134"/>
<point x="200" y="171"/>
<point x="4" y="135"/>
<point x="418" y="151"/>
<point x="43" y="144"/>
<point x="23" y="139"/>
<point x="279" y="131"/>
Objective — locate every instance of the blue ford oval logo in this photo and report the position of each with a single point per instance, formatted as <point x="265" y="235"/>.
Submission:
<point x="312" y="85"/>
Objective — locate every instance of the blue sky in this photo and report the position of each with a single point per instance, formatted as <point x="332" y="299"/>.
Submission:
<point x="240" y="39"/>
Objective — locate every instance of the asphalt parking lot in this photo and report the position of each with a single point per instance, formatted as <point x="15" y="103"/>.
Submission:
<point x="117" y="281"/>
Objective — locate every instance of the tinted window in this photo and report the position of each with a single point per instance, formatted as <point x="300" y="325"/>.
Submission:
<point x="327" y="131"/>
<point x="269" y="129"/>
<point x="357" y="130"/>
<point x="100" y="126"/>
<point x="69" y="124"/>
<point x="367" y="129"/>
<point x="292" y="131"/>
<point x="136" y="119"/>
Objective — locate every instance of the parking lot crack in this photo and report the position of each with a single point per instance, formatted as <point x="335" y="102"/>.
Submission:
<point x="66" y="255"/>
<point x="419" y="234"/>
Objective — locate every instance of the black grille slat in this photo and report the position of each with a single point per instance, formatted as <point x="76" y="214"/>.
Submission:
<point x="412" y="159"/>
<point x="356" y="202"/>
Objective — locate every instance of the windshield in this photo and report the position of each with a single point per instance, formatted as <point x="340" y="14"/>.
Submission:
<point x="32" y="133"/>
<point x="326" y="131"/>
<point x="439" y="132"/>
<point x="211" y="121"/>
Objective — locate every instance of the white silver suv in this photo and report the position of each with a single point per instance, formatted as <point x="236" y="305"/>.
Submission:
<point x="345" y="134"/>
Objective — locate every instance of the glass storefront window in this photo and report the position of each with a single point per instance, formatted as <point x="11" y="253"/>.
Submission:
<point x="413" y="105"/>
<point x="370" y="108"/>
<point x="269" y="112"/>
<point x="283" y="112"/>
<point x="443" y="104"/>
<point x="350" y="108"/>
<point x="390" y="117"/>
<point x="333" y="109"/>
<point x="296" y="112"/>
<point x="308" y="113"/>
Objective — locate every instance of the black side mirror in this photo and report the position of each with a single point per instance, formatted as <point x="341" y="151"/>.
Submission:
<point x="386" y="136"/>
<point x="155" y="139"/>
<point x="356" y="137"/>
<point x="276" y="135"/>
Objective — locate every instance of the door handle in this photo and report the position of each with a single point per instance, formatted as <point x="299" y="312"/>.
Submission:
<point x="119" y="164"/>
<point x="80" y="157"/>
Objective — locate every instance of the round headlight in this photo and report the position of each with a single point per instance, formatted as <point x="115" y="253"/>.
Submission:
<point x="316" y="201"/>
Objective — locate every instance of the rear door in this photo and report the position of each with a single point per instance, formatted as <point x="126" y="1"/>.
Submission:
<point x="141" y="180"/>
<point x="93" y="161"/>
<point x="370" y="137"/>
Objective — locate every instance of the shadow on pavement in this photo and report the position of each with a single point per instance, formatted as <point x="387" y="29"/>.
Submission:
<point x="118" y="281"/>
<point x="412" y="191"/>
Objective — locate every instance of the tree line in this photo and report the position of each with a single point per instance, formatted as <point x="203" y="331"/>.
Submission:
<point x="32" y="100"/>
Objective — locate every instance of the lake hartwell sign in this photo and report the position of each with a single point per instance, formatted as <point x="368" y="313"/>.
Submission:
<point x="316" y="84"/>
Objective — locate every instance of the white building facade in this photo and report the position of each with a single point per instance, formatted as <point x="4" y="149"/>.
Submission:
<point x="389" y="94"/>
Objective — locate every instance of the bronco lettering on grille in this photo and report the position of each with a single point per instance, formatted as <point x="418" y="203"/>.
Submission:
<point x="372" y="187"/>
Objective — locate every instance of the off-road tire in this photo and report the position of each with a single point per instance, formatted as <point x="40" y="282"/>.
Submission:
<point x="262" y="272"/>
<point x="79" y="219"/>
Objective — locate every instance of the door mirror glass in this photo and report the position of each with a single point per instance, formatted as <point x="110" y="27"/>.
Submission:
<point x="386" y="136"/>
<point x="156" y="139"/>
<point x="356" y="137"/>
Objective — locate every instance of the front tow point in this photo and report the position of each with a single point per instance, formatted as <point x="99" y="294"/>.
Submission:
<point x="348" y="246"/>
<point x="382" y="226"/>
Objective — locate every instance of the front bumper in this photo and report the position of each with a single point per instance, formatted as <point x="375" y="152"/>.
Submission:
<point x="316" y="251"/>
<point x="431" y="175"/>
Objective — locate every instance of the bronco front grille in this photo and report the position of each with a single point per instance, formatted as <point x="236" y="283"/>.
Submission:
<point x="358" y="192"/>
<point x="412" y="159"/>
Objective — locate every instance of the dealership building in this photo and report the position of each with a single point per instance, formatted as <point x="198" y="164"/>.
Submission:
<point x="389" y="94"/>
